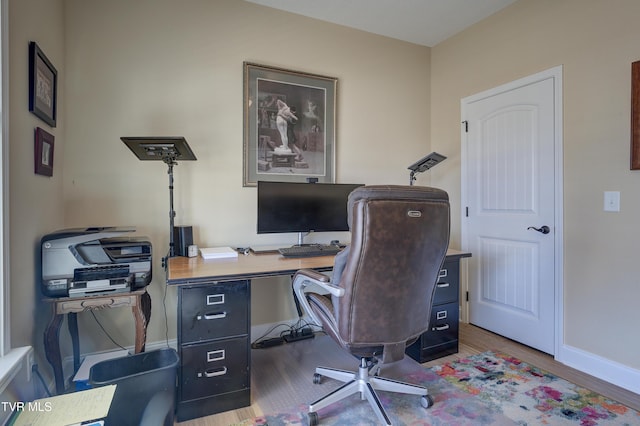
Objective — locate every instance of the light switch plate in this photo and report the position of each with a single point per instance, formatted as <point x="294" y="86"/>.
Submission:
<point x="611" y="201"/>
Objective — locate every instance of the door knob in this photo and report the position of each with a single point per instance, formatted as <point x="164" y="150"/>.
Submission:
<point x="543" y="229"/>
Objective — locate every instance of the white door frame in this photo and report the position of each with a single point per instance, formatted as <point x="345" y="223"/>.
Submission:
<point x="556" y="74"/>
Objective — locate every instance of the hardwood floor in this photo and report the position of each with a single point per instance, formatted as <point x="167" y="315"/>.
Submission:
<point x="473" y="340"/>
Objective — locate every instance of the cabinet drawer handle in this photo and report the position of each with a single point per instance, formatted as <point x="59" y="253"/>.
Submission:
<point x="217" y="315"/>
<point x="218" y="355"/>
<point x="215" y="299"/>
<point x="440" y="327"/>
<point x="442" y="285"/>
<point x="214" y="373"/>
<point x="443" y="273"/>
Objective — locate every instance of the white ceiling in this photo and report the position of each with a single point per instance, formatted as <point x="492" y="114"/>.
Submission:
<point x="424" y="22"/>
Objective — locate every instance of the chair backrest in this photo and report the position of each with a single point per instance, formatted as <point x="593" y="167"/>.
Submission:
<point x="399" y="240"/>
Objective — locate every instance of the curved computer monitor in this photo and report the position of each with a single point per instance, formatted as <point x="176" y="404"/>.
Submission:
<point x="285" y="207"/>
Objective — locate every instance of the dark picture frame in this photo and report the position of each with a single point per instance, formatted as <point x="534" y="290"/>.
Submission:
<point x="43" y="85"/>
<point x="289" y="125"/>
<point x="635" y="115"/>
<point x="43" y="152"/>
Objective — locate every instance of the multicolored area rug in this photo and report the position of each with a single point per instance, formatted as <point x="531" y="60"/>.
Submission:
<point x="485" y="389"/>
<point x="531" y="396"/>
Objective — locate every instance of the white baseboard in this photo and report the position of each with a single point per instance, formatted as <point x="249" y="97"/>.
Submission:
<point x="602" y="368"/>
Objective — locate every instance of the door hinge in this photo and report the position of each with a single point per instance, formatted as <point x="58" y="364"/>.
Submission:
<point x="466" y="126"/>
<point x="467" y="296"/>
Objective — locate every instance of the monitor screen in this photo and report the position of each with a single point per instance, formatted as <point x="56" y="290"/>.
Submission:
<point x="302" y="207"/>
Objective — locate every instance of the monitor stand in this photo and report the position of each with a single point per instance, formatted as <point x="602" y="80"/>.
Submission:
<point x="301" y="237"/>
<point x="300" y="333"/>
<point x="301" y="242"/>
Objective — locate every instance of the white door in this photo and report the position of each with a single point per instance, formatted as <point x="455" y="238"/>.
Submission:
<point x="511" y="153"/>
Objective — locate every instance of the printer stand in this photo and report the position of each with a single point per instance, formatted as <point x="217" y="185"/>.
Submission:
<point x="139" y="301"/>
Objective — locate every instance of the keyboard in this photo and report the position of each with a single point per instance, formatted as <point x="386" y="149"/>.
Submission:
<point x="310" y="250"/>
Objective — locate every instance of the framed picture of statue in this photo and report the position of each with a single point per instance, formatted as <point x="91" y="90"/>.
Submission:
<point x="289" y="125"/>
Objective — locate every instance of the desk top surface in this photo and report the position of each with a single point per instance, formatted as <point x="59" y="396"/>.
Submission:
<point x="186" y="270"/>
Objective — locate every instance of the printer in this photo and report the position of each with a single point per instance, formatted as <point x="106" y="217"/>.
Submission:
<point x="94" y="261"/>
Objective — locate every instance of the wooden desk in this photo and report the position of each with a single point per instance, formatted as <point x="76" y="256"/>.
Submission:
<point x="139" y="301"/>
<point x="214" y="325"/>
<point x="191" y="270"/>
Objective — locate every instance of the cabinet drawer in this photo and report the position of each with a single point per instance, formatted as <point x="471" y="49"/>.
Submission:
<point x="443" y="326"/>
<point x="448" y="284"/>
<point x="214" y="368"/>
<point x="442" y="337"/>
<point x="213" y="311"/>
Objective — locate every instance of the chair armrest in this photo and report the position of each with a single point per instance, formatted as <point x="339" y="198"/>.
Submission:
<point x="313" y="274"/>
<point x="306" y="277"/>
<point x="309" y="276"/>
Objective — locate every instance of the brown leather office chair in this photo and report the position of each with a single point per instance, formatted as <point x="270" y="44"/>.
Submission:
<point x="379" y="299"/>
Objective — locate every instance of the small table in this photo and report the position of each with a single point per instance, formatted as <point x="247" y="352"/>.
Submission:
<point x="139" y="301"/>
<point x="284" y="159"/>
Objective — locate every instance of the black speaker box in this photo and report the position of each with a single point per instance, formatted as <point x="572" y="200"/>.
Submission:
<point x="182" y="239"/>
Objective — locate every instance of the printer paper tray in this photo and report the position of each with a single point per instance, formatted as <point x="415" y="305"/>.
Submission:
<point x="98" y="291"/>
<point x="86" y="288"/>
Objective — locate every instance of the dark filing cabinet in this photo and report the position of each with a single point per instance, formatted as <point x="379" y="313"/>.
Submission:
<point x="442" y="337"/>
<point x="213" y="342"/>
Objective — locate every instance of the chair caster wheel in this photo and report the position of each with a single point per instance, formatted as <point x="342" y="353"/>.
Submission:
<point x="426" y="401"/>
<point x="313" y="419"/>
<point x="317" y="378"/>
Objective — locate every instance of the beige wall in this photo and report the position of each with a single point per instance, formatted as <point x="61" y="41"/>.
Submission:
<point x="595" y="42"/>
<point x="161" y="67"/>
<point x="36" y="202"/>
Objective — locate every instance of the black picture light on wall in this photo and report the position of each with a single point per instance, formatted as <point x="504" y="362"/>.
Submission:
<point x="424" y="164"/>
<point x="168" y="149"/>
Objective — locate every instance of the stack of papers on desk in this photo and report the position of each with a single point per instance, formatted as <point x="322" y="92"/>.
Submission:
<point x="218" y="252"/>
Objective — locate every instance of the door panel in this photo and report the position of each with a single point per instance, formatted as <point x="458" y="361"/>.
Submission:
<point x="508" y="276"/>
